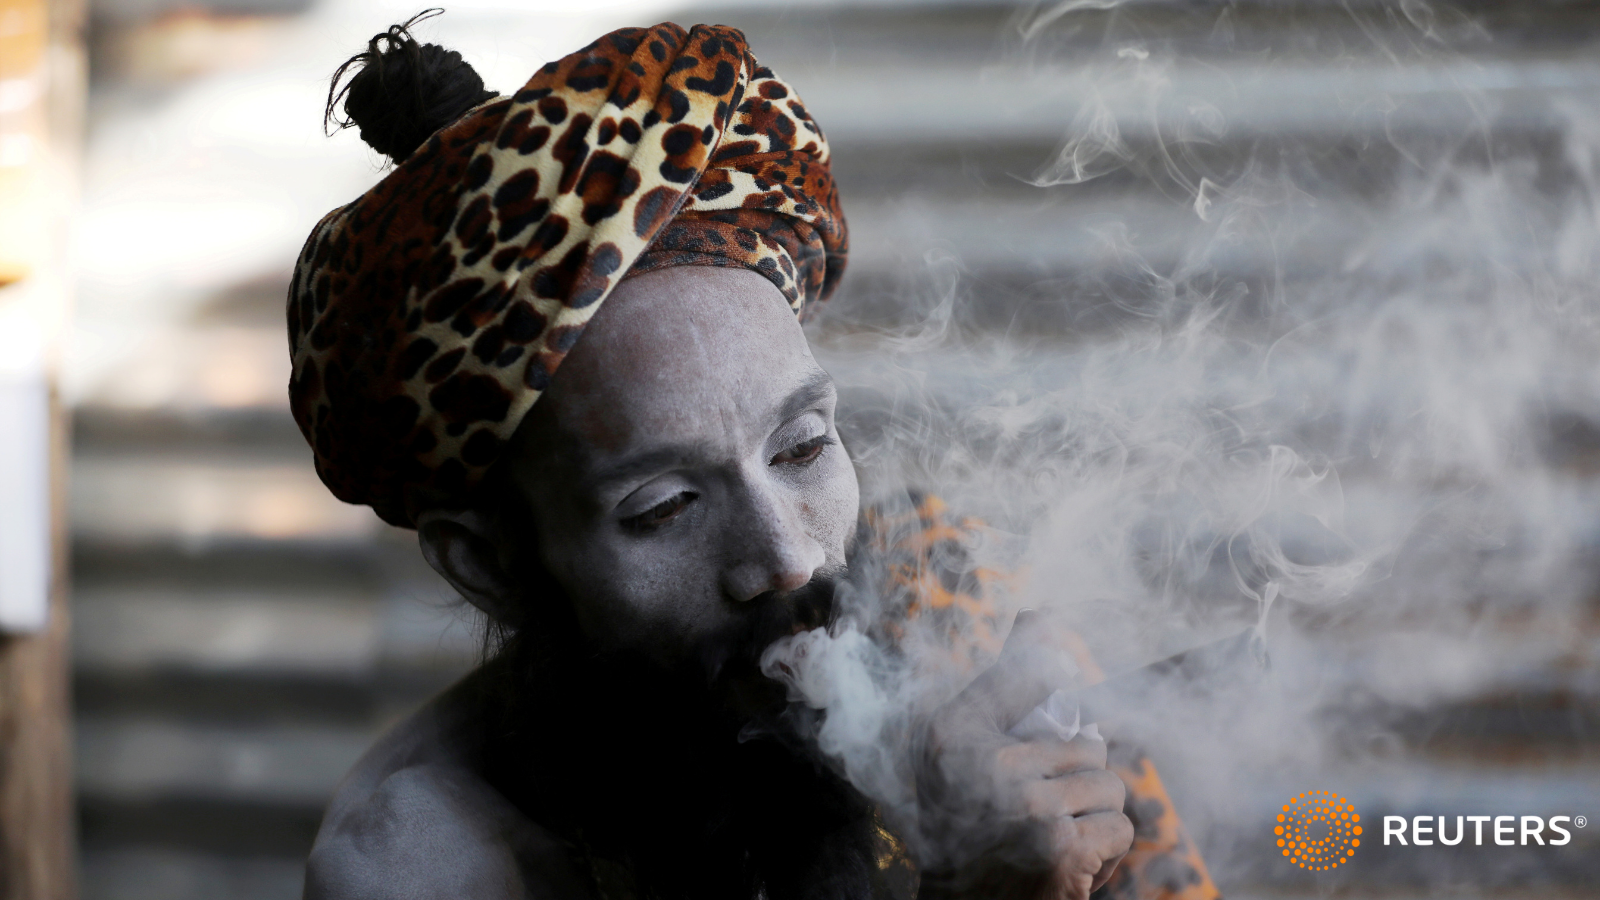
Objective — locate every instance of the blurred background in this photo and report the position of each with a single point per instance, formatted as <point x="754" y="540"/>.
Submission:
<point x="239" y="637"/>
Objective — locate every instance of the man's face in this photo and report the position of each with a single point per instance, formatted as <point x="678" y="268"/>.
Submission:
<point x="683" y="473"/>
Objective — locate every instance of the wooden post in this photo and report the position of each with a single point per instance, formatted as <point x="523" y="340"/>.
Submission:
<point x="36" y="811"/>
<point x="42" y="86"/>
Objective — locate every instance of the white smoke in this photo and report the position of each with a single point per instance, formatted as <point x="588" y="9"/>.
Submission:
<point x="1352" y="403"/>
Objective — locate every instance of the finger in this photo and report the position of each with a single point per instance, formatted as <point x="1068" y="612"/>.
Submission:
<point x="1107" y="869"/>
<point x="1032" y="665"/>
<point x="1079" y="794"/>
<point x="1093" y="840"/>
<point x="1071" y="885"/>
<point x="1087" y="849"/>
<point x="1047" y="759"/>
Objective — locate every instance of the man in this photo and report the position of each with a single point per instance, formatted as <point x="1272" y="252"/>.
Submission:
<point x="629" y="241"/>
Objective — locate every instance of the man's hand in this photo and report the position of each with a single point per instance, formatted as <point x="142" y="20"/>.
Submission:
<point x="1018" y="819"/>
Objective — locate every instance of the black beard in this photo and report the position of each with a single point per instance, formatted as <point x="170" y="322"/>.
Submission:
<point x="656" y="770"/>
<point x="546" y="660"/>
<point x="730" y="658"/>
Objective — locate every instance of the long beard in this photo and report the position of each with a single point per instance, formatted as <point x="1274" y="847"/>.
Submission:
<point x="730" y="658"/>
<point x="650" y="770"/>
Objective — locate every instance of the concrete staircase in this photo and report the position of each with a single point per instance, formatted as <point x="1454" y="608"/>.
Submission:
<point x="231" y="663"/>
<point x="241" y="637"/>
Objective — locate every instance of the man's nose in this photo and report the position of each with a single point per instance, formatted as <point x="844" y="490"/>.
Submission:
<point x="772" y="549"/>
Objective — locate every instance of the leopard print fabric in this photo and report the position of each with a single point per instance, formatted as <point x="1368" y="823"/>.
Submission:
<point x="427" y="316"/>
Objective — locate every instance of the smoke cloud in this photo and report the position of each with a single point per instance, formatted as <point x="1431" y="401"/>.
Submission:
<point x="1339" y="387"/>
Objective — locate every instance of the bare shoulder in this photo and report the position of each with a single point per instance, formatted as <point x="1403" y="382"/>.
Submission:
<point x="431" y="831"/>
<point x="413" y="822"/>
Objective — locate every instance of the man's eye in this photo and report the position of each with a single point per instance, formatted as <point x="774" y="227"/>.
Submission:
<point x="804" y="451"/>
<point x="660" y="514"/>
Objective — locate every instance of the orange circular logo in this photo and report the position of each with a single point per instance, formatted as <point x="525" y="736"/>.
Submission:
<point x="1318" y="830"/>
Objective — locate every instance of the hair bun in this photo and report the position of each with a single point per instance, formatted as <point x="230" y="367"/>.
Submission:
<point x="403" y="91"/>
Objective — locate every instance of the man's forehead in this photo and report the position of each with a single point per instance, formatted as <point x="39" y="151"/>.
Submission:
<point x="681" y="327"/>
<point x="711" y="422"/>
<point x="681" y="353"/>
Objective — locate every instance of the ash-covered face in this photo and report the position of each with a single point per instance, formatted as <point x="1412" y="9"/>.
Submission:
<point x="683" y="477"/>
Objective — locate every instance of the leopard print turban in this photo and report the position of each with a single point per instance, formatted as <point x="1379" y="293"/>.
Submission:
<point x="426" y="317"/>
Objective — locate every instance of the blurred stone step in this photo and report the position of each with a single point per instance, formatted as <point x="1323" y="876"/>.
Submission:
<point x="205" y="366"/>
<point x="285" y="566"/>
<point x="186" y="698"/>
<point x="269" y="660"/>
<point x="268" y="629"/>
<point x="245" y="630"/>
<point x="255" y="430"/>
<point x="1134" y="96"/>
<point x="148" y="873"/>
<point x="201" y="825"/>
<point x="224" y="631"/>
<point x="1378" y="173"/>
<point x="130" y="759"/>
<point x="902" y="33"/>
<point x="195" y="502"/>
<point x="1057" y="238"/>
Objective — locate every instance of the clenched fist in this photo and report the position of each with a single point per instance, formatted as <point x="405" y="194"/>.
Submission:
<point x="1011" y="818"/>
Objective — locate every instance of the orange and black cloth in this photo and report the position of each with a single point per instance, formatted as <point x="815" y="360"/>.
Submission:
<point x="428" y="315"/>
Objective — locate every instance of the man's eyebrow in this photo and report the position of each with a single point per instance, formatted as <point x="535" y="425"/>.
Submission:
<point x="641" y="464"/>
<point x="817" y="387"/>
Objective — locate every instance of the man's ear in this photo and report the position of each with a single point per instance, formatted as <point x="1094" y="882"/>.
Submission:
<point x="460" y="546"/>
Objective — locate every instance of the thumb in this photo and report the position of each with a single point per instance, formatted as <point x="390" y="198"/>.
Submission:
<point x="1033" y="664"/>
